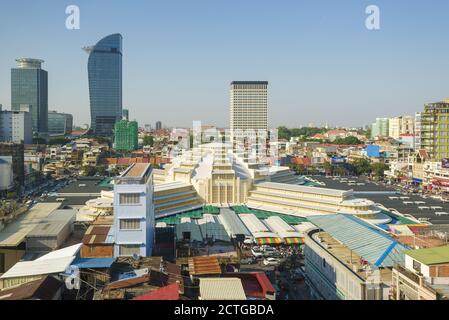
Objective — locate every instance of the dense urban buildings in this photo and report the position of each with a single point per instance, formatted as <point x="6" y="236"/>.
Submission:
<point x="59" y="123"/>
<point x="401" y="125"/>
<point x="29" y="92"/>
<point x="125" y="134"/>
<point x="105" y="84"/>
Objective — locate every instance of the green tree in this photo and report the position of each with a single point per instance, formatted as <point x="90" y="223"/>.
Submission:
<point x="101" y="170"/>
<point x="299" y="169"/>
<point x="327" y="167"/>
<point x="89" y="171"/>
<point x="148" y="141"/>
<point x="348" y="141"/>
<point x="361" y="166"/>
<point x="378" y="169"/>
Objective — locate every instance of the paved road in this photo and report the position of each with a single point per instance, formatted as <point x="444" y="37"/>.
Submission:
<point x="398" y="204"/>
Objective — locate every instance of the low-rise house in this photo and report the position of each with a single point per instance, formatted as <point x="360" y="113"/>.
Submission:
<point x="425" y="275"/>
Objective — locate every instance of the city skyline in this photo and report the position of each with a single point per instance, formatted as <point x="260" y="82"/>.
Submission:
<point x="172" y="63"/>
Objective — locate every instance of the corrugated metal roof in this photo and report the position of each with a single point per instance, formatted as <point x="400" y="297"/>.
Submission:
<point x="372" y="244"/>
<point x="38" y="267"/>
<point x="71" y="251"/>
<point x="42" y="289"/>
<point x="232" y="223"/>
<point x="93" y="263"/>
<point x="204" y="265"/>
<point x="170" y="292"/>
<point x="221" y="289"/>
<point x="210" y="226"/>
<point x="15" y="232"/>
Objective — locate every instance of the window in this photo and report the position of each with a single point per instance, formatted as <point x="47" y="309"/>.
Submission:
<point x="129" y="249"/>
<point x="129" y="198"/>
<point x="129" y="224"/>
<point x="416" y="266"/>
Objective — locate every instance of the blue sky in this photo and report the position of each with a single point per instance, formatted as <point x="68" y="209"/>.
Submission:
<point x="323" y="65"/>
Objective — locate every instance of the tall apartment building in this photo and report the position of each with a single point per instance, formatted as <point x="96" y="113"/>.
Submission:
<point x="417" y="130"/>
<point x="105" y="84"/>
<point x="248" y="105"/>
<point x="134" y="212"/>
<point x="398" y="126"/>
<point x="380" y="128"/>
<point x="435" y="130"/>
<point x="126" y="135"/>
<point x="29" y="90"/>
<point x="16" y="126"/>
<point x="59" y="123"/>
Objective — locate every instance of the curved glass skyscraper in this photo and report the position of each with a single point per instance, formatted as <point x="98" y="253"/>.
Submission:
<point x="105" y="84"/>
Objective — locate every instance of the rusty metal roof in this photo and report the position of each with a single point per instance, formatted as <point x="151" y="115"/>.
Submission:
<point x="204" y="265"/>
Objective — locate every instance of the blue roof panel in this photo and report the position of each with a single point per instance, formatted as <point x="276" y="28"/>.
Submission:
<point x="371" y="243"/>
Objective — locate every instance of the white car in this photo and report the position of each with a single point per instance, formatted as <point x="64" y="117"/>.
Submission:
<point x="271" y="262"/>
<point x="256" y="253"/>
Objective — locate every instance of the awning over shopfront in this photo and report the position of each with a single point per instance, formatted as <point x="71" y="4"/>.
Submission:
<point x="293" y="241"/>
<point x="262" y="241"/>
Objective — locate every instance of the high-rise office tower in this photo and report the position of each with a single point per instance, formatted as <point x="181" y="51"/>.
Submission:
<point x="248" y="105"/>
<point x="158" y="125"/>
<point x="29" y="92"/>
<point x="105" y="84"/>
<point x="434" y="131"/>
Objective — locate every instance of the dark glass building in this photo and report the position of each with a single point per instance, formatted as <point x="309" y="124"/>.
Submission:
<point x="105" y="84"/>
<point x="59" y="123"/>
<point x="29" y="92"/>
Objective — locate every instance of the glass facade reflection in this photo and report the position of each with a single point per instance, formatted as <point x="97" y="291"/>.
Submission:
<point x="105" y="84"/>
<point x="29" y="91"/>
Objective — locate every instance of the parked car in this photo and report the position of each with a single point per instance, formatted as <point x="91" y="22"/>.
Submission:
<point x="271" y="262"/>
<point x="256" y="252"/>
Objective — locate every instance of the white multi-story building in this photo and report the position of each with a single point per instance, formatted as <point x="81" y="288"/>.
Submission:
<point x="16" y="126"/>
<point x="401" y="125"/>
<point x="417" y="130"/>
<point x="248" y="106"/>
<point x="134" y="212"/>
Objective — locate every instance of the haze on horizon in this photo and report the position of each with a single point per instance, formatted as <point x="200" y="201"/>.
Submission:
<point x="179" y="57"/>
